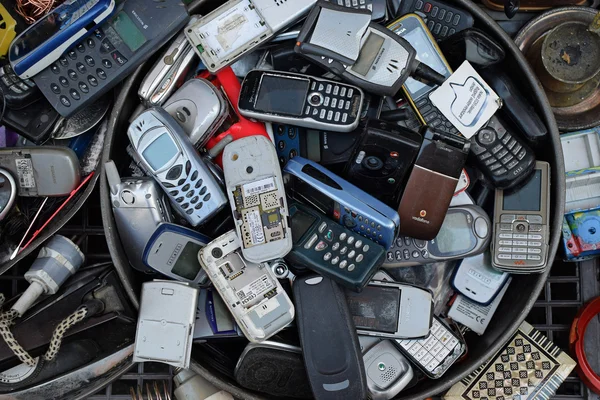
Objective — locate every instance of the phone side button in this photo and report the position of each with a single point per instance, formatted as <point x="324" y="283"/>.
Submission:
<point x="481" y="228"/>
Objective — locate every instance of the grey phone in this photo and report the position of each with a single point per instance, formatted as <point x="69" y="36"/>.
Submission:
<point x="42" y="171"/>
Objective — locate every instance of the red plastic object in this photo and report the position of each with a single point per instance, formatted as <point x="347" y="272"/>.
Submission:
<point x="576" y="344"/>
<point x="230" y="85"/>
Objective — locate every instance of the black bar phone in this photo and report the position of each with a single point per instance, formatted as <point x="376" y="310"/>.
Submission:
<point x="331" y="249"/>
<point x="503" y="157"/>
<point x="442" y="18"/>
<point x="334" y="362"/>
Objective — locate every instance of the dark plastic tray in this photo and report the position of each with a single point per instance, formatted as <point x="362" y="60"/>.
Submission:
<point x="523" y="291"/>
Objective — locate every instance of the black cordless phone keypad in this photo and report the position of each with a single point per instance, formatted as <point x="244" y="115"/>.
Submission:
<point x="333" y="103"/>
<point x="18" y="93"/>
<point x="442" y="19"/>
<point x="81" y="72"/>
<point x="342" y="250"/>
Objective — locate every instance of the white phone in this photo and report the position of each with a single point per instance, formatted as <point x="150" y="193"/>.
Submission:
<point x="257" y="197"/>
<point x="250" y="290"/>
<point x="237" y="27"/>
<point x="478" y="280"/>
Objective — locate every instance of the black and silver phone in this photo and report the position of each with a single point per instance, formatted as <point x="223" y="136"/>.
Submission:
<point x="521" y="225"/>
<point x="465" y="232"/>
<point x="391" y="310"/>
<point x="301" y="100"/>
<point x="503" y="157"/>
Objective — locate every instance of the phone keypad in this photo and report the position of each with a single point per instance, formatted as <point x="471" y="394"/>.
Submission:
<point x="363" y="4"/>
<point x="497" y="150"/>
<point x="433" y="117"/>
<point x="345" y="251"/>
<point x="407" y="249"/>
<point x="435" y="353"/>
<point x="189" y="193"/>
<point x="13" y="82"/>
<point x="442" y="20"/>
<point x="332" y="103"/>
<point x="520" y="237"/>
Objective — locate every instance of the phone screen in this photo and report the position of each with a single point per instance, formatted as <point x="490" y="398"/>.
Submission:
<point x="159" y="152"/>
<point x="528" y="198"/>
<point x="375" y="309"/>
<point x="282" y="95"/>
<point x="455" y="236"/>
<point x="187" y="265"/>
<point x="427" y="54"/>
<point x="301" y="221"/>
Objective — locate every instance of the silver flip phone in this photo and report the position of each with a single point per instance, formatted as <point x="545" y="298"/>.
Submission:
<point x="169" y="71"/>
<point x="139" y="206"/>
<point x="521" y="230"/>
<point x="387" y="370"/>
<point x="42" y="170"/>
<point x="200" y="108"/>
<point x="167" y="154"/>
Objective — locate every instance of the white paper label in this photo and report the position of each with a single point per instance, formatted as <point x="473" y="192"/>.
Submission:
<point x="257" y="235"/>
<point x="466" y="100"/>
<point x="262" y="186"/>
<point x="25" y="172"/>
<point x="18" y="373"/>
<point x="267" y="307"/>
<point x="473" y="315"/>
<point x="254" y="288"/>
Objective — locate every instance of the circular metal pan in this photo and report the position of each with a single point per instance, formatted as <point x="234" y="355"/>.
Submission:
<point x="585" y="114"/>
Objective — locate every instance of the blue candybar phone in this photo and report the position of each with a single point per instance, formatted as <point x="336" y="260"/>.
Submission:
<point x="340" y="200"/>
<point x="46" y="40"/>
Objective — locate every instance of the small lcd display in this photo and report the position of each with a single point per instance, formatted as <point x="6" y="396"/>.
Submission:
<point x="427" y="54"/>
<point x="368" y="53"/>
<point x="301" y="221"/>
<point x="528" y="198"/>
<point x="187" y="265"/>
<point x="455" y="235"/>
<point x="375" y="309"/>
<point x="282" y="95"/>
<point x="159" y="152"/>
<point x="127" y="30"/>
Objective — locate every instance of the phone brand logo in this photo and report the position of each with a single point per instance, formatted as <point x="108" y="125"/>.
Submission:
<point x="519" y="262"/>
<point x="175" y="254"/>
<point x="145" y="26"/>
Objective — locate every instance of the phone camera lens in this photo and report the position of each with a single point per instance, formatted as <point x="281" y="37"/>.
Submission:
<point x="217" y="252"/>
<point x="373" y="163"/>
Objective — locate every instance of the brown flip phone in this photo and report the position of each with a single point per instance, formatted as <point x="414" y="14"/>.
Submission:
<point x="431" y="184"/>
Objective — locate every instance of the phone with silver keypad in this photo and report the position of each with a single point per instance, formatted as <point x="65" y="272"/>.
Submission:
<point x="436" y="353"/>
